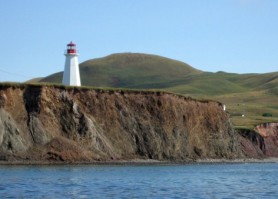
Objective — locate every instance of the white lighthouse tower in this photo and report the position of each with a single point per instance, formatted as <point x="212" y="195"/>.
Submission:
<point x="71" y="76"/>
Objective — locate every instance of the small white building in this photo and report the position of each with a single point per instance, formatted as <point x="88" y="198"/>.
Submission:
<point x="71" y="76"/>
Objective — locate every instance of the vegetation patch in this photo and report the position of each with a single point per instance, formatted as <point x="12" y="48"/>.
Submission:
<point x="267" y="115"/>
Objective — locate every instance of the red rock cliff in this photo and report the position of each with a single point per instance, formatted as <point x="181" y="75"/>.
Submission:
<point x="51" y="123"/>
<point x="269" y="132"/>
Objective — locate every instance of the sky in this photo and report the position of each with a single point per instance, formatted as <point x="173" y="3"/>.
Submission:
<point x="237" y="36"/>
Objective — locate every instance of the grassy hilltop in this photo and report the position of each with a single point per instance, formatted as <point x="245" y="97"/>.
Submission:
<point x="130" y="70"/>
<point x="251" y="95"/>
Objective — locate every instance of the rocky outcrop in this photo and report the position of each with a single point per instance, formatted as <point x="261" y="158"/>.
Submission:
<point x="261" y="142"/>
<point x="252" y="144"/>
<point x="53" y="123"/>
<point x="269" y="132"/>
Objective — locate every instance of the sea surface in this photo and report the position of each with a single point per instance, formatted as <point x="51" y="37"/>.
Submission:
<point x="249" y="180"/>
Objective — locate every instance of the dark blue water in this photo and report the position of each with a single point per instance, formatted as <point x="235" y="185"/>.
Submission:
<point x="182" y="181"/>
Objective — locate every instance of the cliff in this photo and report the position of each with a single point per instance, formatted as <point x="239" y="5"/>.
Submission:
<point x="52" y="123"/>
<point x="261" y="142"/>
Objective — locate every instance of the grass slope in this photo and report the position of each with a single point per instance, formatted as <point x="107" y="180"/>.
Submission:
<point x="130" y="70"/>
<point x="248" y="94"/>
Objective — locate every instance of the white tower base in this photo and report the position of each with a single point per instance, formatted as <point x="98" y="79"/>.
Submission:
<point x="71" y="76"/>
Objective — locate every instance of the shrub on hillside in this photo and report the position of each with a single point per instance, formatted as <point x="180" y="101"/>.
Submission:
<point x="267" y="115"/>
<point x="237" y="114"/>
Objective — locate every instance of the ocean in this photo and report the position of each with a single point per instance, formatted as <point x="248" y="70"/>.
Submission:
<point x="233" y="180"/>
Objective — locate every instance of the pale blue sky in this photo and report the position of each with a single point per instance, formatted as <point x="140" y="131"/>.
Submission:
<point x="239" y="36"/>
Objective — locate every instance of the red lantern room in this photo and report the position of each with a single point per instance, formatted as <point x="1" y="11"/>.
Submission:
<point x="71" y="48"/>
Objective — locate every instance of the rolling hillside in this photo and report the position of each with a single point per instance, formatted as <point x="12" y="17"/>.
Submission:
<point x="130" y="70"/>
<point x="250" y="95"/>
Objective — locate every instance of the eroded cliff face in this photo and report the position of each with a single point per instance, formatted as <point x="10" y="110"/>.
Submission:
<point x="51" y="123"/>
<point x="269" y="132"/>
<point x="261" y="142"/>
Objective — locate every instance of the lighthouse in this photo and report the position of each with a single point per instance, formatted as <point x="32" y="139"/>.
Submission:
<point x="71" y="76"/>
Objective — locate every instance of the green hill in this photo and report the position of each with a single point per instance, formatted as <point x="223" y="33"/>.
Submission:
<point x="251" y="95"/>
<point x="130" y="70"/>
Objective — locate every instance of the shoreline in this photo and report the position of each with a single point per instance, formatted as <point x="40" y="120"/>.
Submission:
<point x="139" y="162"/>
